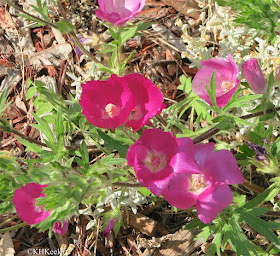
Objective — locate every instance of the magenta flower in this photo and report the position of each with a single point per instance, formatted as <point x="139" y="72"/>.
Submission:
<point x="60" y="228"/>
<point x="207" y="189"/>
<point x="24" y="201"/>
<point x="118" y="12"/>
<point x="107" y="104"/>
<point x="131" y="100"/>
<point x="148" y="100"/>
<point x="157" y="155"/>
<point x="110" y="225"/>
<point x="254" y="76"/>
<point x="225" y="80"/>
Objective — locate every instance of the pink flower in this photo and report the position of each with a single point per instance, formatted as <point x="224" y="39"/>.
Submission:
<point x="254" y="76"/>
<point x="24" y="201"/>
<point x="131" y="100"/>
<point x="148" y="100"/>
<point x="61" y="229"/>
<point x="118" y="12"/>
<point x="225" y="80"/>
<point x="107" y="104"/>
<point x="110" y="225"/>
<point x="207" y="189"/>
<point x="157" y="155"/>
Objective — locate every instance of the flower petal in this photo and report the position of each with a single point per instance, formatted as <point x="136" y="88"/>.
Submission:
<point x="177" y="194"/>
<point x="211" y="201"/>
<point x="221" y="167"/>
<point x="202" y="152"/>
<point x="184" y="160"/>
<point x="148" y="100"/>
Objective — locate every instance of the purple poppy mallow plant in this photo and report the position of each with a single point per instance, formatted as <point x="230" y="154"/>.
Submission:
<point x="131" y="100"/>
<point x="118" y="12"/>
<point x="185" y="174"/>
<point x="24" y="201"/>
<point x="254" y="76"/>
<point x="208" y="189"/>
<point x="226" y="80"/>
<point x="157" y="155"/>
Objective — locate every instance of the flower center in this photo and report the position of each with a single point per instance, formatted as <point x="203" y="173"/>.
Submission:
<point x="111" y="110"/>
<point x="39" y="209"/>
<point x="155" y="162"/>
<point x="227" y="86"/>
<point x="198" y="183"/>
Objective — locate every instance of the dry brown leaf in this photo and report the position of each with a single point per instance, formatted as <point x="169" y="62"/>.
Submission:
<point x="186" y="7"/>
<point x="51" y="56"/>
<point x="6" y="245"/>
<point x="12" y="77"/>
<point x="20" y="104"/>
<point x="6" y="21"/>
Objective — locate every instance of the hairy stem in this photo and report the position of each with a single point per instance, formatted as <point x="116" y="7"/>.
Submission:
<point x="74" y="37"/>
<point x="211" y="132"/>
<point x="4" y="230"/>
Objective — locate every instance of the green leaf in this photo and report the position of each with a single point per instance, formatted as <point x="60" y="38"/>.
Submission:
<point x="39" y="23"/>
<point x="215" y="246"/>
<point x="267" y="195"/>
<point x="113" y="144"/>
<point x="212" y="90"/>
<point x="127" y="34"/>
<point x="261" y="226"/>
<point x="30" y="93"/>
<point x="84" y="153"/>
<point x="186" y="84"/>
<point x="270" y="83"/>
<point x="30" y="146"/>
<point x="244" y="99"/>
<point x="239" y="240"/>
<point x="65" y="27"/>
<point x="43" y="126"/>
<point x="195" y="223"/>
<point x="3" y="99"/>
<point x="59" y="129"/>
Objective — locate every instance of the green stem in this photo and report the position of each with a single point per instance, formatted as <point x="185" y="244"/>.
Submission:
<point x="7" y="221"/>
<point x="74" y="37"/>
<point x="211" y="132"/>
<point x="118" y="49"/>
<point x="3" y="230"/>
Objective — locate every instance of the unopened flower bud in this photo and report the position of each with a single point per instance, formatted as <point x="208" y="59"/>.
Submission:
<point x="254" y="76"/>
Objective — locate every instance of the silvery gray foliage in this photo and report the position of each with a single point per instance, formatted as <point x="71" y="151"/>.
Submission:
<point x="131" y="198"/>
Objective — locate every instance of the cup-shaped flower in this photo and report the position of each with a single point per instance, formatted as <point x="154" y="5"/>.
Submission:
<point x="107" y="104"/>
<point x="225" y="79"/>
<point x="118" y="12"/>
<point x="131" y="100"/>
<point x="254" y="76"/>
<point x="148" y="100"/>
<point x="208" y="189"/>
<point x="24" y="201"/>
<point x="157" y="155"/>
<point x="60" y="228"/>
